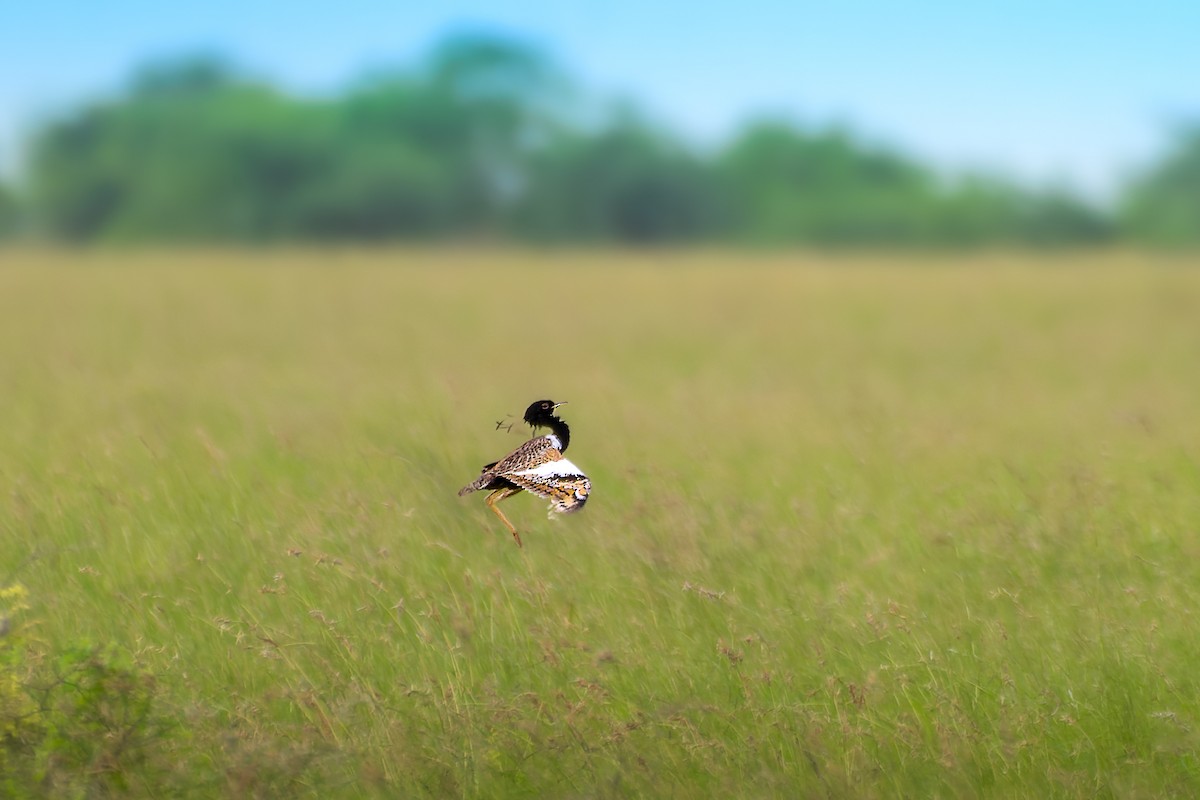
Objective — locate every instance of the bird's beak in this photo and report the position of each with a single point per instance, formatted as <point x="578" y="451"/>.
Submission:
<point x="556" y="405"/>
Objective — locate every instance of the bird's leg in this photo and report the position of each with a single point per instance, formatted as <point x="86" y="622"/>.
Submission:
<point x="496" y="497"/>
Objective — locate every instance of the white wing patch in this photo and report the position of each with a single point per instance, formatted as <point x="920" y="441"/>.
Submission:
<point x="561" y="468"/>
<point x="561" y="482"/>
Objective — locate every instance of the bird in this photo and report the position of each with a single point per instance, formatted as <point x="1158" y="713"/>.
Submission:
<point x="538" y="466"/>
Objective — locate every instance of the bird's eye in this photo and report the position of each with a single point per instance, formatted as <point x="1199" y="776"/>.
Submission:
<point x="545" y="405"/>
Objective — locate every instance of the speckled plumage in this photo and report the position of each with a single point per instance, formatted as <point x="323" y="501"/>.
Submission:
<point x="538" y="467"/>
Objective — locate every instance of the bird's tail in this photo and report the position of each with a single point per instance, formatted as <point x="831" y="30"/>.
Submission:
<point x="485" y="477"/>
<point x="475" y="485"/>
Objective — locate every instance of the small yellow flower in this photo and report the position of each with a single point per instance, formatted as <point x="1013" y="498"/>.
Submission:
<point x="12" y="598"/>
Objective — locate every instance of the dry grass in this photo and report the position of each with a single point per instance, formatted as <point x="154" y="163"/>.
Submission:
<point x="860" y="527"/>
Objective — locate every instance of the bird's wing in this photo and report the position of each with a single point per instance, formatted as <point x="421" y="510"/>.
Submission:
<point x="563" y="483"/>
<point x="533" y="452"/>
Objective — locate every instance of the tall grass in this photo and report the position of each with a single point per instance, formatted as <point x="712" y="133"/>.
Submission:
<point x="859" y="528"/>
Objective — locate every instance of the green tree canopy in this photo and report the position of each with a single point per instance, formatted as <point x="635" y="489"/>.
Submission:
<point x="10" y="211"/>
<point x="487" y="137"/>
<point x="790" y="185"/>
<point x="1163" y="205"/>
<point x="627" y="183"/>
<point x="192" y="151"/>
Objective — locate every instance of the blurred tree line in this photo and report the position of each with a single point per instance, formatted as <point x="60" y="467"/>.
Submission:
<point x="486" y="139"/>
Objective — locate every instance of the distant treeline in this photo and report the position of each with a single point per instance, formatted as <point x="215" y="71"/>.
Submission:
<point x="485" y="139"/>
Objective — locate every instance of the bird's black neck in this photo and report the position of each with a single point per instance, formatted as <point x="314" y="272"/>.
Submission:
<point x="559" y="429"/>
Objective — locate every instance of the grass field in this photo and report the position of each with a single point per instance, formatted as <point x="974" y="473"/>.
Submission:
<point x="860" y="527"/>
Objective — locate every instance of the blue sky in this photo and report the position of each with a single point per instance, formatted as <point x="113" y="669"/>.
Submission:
<point x="1067" y="91"/>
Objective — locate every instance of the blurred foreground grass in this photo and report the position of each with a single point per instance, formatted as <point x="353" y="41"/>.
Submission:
<point x="860" y="527"/>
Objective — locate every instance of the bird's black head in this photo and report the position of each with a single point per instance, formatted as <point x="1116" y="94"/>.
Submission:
<point x="539" y="414"/>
